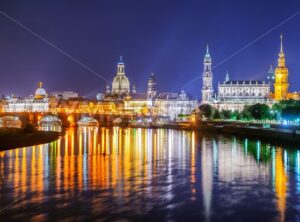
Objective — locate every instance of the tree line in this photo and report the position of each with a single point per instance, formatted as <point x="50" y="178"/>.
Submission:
<point x="285" y="109"/>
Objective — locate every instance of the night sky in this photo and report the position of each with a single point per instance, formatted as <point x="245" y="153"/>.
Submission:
<point x="167" y="37"/>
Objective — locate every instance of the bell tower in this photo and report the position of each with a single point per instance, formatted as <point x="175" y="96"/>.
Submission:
<point x="121" y="67"/>
<point x="281" y="85"/>
<point x="207" y="88"/>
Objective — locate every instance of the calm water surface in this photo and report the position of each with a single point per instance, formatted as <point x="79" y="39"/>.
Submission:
<point x="116" y="174"/>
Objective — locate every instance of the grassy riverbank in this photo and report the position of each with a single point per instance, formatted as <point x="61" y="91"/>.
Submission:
<point x="15" y="137"/>
<point x="273" y="133"/>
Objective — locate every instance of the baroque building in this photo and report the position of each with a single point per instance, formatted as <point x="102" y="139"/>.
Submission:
<point x="120" y="84"/>
<point x="232" y="94"/>
<point x="39" y="102"/>
<point x="159" y="104"/>
<point x="151" y="102"/>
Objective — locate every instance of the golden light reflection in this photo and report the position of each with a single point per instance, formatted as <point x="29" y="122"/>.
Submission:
<point x="193" y="161"/>
<point x="280" y="183"/>
<point x="127" y="160"/>
<point x="96" y="158"/>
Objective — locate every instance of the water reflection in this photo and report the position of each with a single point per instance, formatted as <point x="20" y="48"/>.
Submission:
<point x="125" y="173"/>
<point x="51" y="127"/>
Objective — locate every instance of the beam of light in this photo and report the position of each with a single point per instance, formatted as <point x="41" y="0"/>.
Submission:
<point x="54" y="46"/>
<point x="246" y="46"/>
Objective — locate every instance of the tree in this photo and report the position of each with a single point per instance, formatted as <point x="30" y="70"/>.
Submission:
<point x="291" y="112"/>
<point x="246" y="114"/>
<point x="235" y="115"/>
<point x="287" y="109"/>
<point x="260" y="111"/>
<point x="279" y="106"/>
<point x="216" y="114"/>
<point x="207" y="111"/>
<point x="225" y="114"/>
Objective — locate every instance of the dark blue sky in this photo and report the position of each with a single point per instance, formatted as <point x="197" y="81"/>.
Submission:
<point x="167" y="37"/>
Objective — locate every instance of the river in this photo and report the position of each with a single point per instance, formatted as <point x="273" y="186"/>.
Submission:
<point x="127" y="174"/>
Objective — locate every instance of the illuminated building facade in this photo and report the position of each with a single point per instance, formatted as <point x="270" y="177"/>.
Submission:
<point x="151" y="90"/>
<point x="152" y="102"/>
<point x="39" y="102"/>
<point x="102" y="107"/>
<point x="233" y="94"/>
<point x="155" y="103"/>
<point x="281" y="85"/>
<point x="207" y="87"/>
<point x="80" y="105"/>
<point x="174" y="104"/>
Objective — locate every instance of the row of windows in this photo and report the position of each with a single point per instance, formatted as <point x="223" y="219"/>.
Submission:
<point x="243" y="94"/>
<point x="243" y="89"/>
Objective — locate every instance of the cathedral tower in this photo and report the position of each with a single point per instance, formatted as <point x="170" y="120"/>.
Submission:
<point x="281" y="85"/>
<point x="151" y="90"/>
<point x="207" y="88"/>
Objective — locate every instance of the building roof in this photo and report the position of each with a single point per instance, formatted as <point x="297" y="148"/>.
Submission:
<point x="139" y="96"/>
<point x="248" y="82"/>
<point x="167" y="96"/>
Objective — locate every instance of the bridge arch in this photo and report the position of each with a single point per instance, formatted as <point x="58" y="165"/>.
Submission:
<point x="87" y="121"/>
<point x="10" y="122"/>
<point x="50" y="119"/>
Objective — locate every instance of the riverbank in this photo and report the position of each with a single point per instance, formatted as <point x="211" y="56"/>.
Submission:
<point x="16" y="137"/>
<point x="271" y="133"/>
<point x="259" y="131"/>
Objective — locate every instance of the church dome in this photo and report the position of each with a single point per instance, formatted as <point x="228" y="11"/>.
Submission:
<point x="120" y="84"/>
<point x="40" y="92"/>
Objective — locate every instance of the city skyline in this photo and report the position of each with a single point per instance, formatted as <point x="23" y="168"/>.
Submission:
<point x="176" y="54"/>
<point x="161" y="110"/>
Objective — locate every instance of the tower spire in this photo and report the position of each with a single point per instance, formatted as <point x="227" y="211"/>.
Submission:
<point x="207" y="55"/>
<point x="281" y="85"/>
<point x="227" y="77"/>
<point x="281" y="59"/>
<point x="121" y="59"/>
<point x="281" y="48"/>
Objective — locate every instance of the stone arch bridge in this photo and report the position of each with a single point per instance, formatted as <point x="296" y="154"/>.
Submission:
<point x="68" y="119"/>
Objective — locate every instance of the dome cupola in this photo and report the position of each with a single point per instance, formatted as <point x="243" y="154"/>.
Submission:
<point x="40" y="92"/>
<point x="120" y="84"/>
